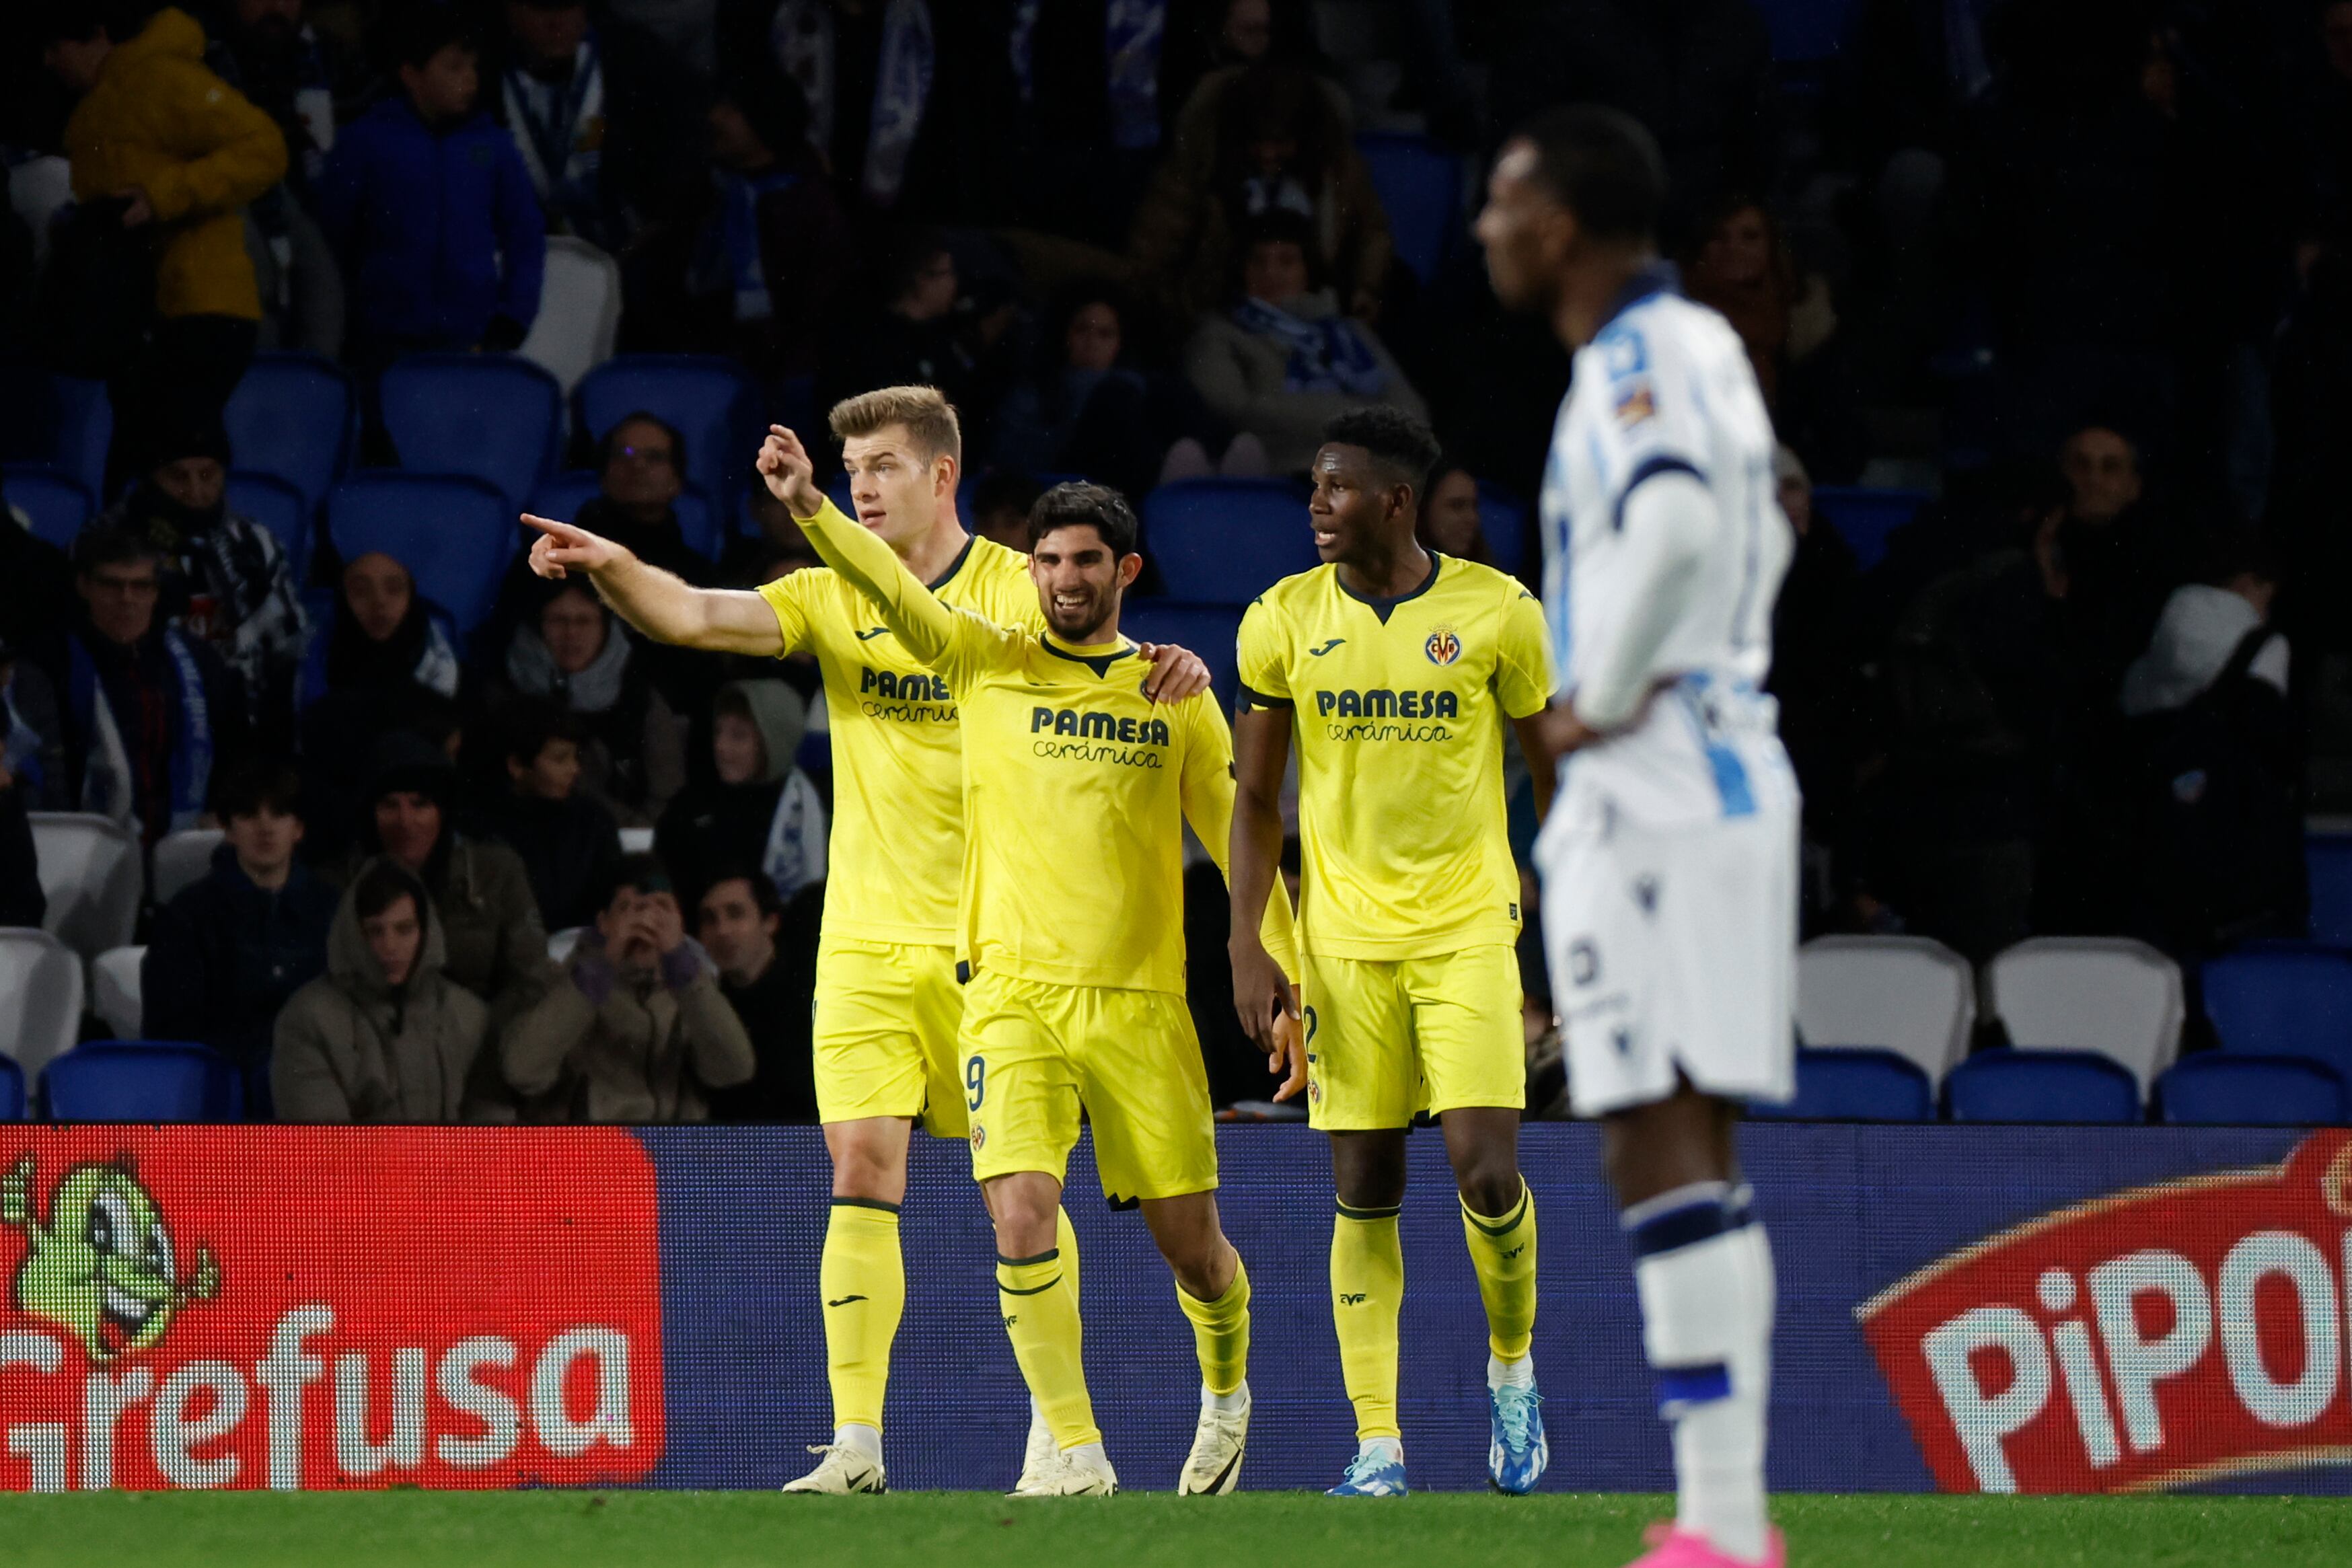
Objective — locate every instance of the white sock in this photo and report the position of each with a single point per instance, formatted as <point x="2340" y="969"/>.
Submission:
<point x="1389" y="1448"/>
<point x="1519" y="1374"/>
<point x="1231" y="1403"/>
<point x="1091" y="1452"/>
<point x="1704" y="1273"/>
<point x="1036" y="1417"/>
<point x="860" y="1439"/>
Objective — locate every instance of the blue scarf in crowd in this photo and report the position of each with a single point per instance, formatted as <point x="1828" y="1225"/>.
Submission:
<point x="1326" y="355"/>
<point x="109" y="782"/>
<point x="802" y="35"/>
<point x="1133" y="32"/>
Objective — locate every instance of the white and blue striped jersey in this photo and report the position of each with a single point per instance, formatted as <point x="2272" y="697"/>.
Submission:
<point x="1665" y="387"/>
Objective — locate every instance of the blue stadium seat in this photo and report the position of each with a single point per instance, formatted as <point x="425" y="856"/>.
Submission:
<point x="1225" y="541"/>
<point x="12" y="1089"/>
<point x="455" y="535"/>
<point x="85" y="430"/>
<point x="711" y="399"/>
<point x="2328" y="857"/>
<point x="1503" y="518"/>
<point x="1856" y="1085"/>
<point x="1865" y="518"/>
<point x="1208" y="629"/>
<point x="2283" y="1000"/>
<point x="561" y="498"/>
<point x="2007" y="1085"/>
<point x="1420" y="186"/>
<point x="141" y="1080"/>
<point x="2222" y="1088"/>
<point x="57" y="503"/>
<point x="278" y="507"/>
<point x="293" y="415"/>
<point x="497" y="417"/>
<point x="1807" y="30"/>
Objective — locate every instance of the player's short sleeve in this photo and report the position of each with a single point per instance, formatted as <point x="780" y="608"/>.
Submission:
<point x="1523" y="666"/>
<point x="1654" y="421"/>
<point x="789" y="596"/>
<point x="1263" y="656"/>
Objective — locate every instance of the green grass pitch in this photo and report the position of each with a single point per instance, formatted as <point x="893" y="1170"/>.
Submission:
<point x="1263" y="1530"/>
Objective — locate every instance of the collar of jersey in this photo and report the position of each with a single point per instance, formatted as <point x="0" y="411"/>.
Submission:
<point x="1096" y="656"/>
<point x="954" y="566"/>
<point x="1382" y="607"/>
<point x="1654" y="279"/>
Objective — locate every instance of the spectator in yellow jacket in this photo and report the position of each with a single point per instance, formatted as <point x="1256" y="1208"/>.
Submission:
<point x="179" y="152"/>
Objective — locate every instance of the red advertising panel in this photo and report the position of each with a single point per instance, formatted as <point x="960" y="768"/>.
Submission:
<point x="2168" y="1334"/>
<point x="316" y="1307"/>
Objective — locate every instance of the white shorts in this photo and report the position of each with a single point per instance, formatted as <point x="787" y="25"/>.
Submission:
<point x="1672" y="951"/>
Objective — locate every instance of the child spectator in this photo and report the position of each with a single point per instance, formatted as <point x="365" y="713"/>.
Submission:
<point x="767" y="971"/>
<point x="567" y="842"/>
<point x="760" y="810"/>
<point x="571" y="649"/>
<point x="429" y="206"/>
<point x="636" y="1029"/>
<point x="226" y="953"/>
<point x="384" y="1035"/>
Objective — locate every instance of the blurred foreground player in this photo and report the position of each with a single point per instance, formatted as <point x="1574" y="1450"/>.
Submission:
<point x="1394" y="667"/>
<point x="1077" y="788"/>
<point x="888" y="1006"/>
<point x="1669" y="860"/>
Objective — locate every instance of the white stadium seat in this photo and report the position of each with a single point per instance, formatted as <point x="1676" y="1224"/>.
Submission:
<point x="182" y="859"/>
<point x="579" y="316"/>
<point x="40" y="996"/>
<point x="561" y="943"/>
<point x="1904" y="994"/>
<point x="90" y="873"/>
<point x="2109" y="994"/>
<point x="114" y="991"/>
<point x="636" y="841"/>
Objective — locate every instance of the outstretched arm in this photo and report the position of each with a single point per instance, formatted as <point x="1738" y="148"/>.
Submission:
<point x="723" y="621"/>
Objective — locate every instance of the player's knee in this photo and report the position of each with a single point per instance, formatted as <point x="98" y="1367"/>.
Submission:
<point x="1489" y="1181"/>
<point x="1368" y="1176"/>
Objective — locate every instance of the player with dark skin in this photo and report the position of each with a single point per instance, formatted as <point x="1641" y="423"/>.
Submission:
<point x="1363" y="515"/>
<point x="1542" y="264"/>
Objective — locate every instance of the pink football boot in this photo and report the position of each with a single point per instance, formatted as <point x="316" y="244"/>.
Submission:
<point x="1672" y="1548"/>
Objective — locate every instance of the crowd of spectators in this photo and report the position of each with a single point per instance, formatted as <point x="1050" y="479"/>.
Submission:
<point x="2081" y="274"/>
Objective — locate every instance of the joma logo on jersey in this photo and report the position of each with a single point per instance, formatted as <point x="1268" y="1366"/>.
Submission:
<point x="1126" y="731"/>
<point x="1444" y="646"/>
<point x="915" y="687"/>
<point x="1384" y="704"/>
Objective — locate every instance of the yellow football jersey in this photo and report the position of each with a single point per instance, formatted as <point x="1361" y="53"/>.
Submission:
<point x="1076" y="786"/>
<point x="897" y="851"/>
<point x="1398" y="709"/>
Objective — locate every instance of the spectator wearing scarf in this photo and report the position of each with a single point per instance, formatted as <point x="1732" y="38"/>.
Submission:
<point x="572" y="651"/>
<point x="1284" y="361"/>
<point x="898" y="50"/>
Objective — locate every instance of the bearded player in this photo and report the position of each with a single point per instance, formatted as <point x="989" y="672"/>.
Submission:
<point x="887" y="1005"/>
<point x="1669" y="859"/>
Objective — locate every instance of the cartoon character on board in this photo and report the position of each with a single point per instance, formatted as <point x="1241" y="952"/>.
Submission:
<point x="102" y="1266"/>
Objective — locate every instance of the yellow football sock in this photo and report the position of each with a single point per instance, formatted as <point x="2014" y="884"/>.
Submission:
<point x="1367" y="1287"/>
<point x="1503" y="1251"/>
<point x="862" y="1280"/>
<point x="1221" y="1331"/>
<point x="1039" y="1300"/>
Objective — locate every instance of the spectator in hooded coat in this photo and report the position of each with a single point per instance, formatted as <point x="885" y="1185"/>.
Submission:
<point x="759" y="809"/>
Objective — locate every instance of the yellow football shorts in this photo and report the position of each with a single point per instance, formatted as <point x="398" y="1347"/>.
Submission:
<point x="887" y="1017"/>
<point x="1038" y="1055"/>
<point x="1389" y="1039"/>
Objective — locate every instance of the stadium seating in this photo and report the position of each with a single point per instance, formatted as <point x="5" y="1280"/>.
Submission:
<point x="2010" y="1085"/>
<point x="91" y="875"/>
<point x="141" y="1080"/>
<point x="2283" y="1000"/>
<point x="1225" y="541"/>
<point x="579" y="315"/>
<point x="2327" y="857"/>
<point x="85" y="430"/>
<point x="1904" y="994"/>
<point x="497" y="417"/>
<point x="711" y="401"/>
<point x="293" y="415"/>
<point x="2119" y="997"/>
<point x="1856" y="1085"/>
<point x="278" y="507"/>
<point x="12" y="1090"/>
<point x="1208" y="629"/>
<point x="114" y="990"/>
<point x="2222" y="1088"/>
<point x="53" y="500"/>
<point x="40" y="996"/>
<point x="1420" y="186"/>
<point x="1865" y="518"/>
<point x="456" y="534"/>
<point x="1503" y="518"/>
<point x="561" y="498"/>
